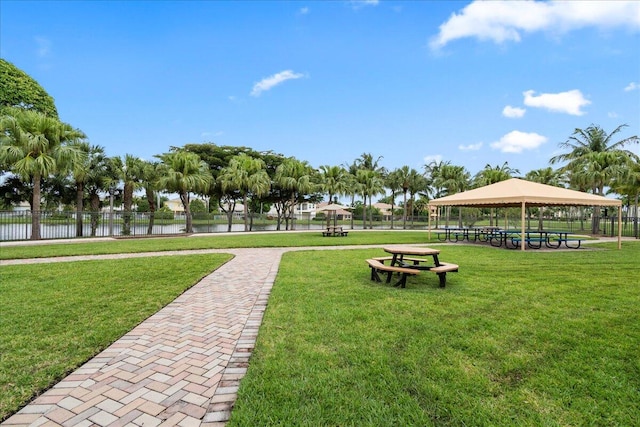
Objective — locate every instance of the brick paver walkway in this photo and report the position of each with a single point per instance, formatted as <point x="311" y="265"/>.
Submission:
<point x="182" y="366"/>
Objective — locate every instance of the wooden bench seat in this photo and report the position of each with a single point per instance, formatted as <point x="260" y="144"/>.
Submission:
<point x="377" y="266"/>
<point x="442" y="271"/>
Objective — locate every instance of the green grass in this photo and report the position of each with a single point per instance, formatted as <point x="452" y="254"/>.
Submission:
<point x="216" y="241"/>
<point x="54" y="317"/>
<point x="535" y="338"/>
<point x="527" y="339"/>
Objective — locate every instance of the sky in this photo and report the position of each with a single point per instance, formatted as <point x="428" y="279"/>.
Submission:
<point x="409" y="82"/>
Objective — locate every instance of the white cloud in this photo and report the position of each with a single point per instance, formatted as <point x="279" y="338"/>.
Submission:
<point x="433" y="158"/>
<point x="513" y="112"/>
<point x="303" y="10"/>
<point x="569" y="102"/>
<point x="274" y="80"/>
<point x="516" y="142"/>
<point x="357" y="4"/>
<point x="470" y="147"/>
<point x="502" y="21"/>
<point x="44" y="47"/>
<point x="612" y="114"/>
<point x="632" y="86"/>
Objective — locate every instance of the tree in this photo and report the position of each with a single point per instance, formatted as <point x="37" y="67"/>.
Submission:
<point x="490" y="175"/>
<point x="546" y="176"/>
<point x="130" y="172"/>
<point x="83" y="171"/>
<point x="183" y="172"/>
<point x="451" y="179"/>
<point x="248" y="176"/>
<point x="393" y="182"/>
<point x="297" y="177"/>
<point x="370" y="184"/>
<point x="417" y="185"/>
<point x="35" y="146"/>
<point x="18" y="90"/>
<point x="333" y="181"/>
<point x="592" y="158"/>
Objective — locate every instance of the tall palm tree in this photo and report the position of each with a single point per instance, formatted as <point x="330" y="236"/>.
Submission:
<point x="84" y="172"/>
<point x="150" y="177"/>
<point x="404" y="176"/>
<point x="295" y="176"/>
<point x="393" y="182"/>
<point x="594" y="159"/>
<point x="587" y="146"/>
<point x="183" y="172"/>
<point x="35" y="146"/>
<point x="371" y="184"/>
<point x="547" y="176"/>
<point x="130" y="171"/>
<point x="352" y="184"/>
<point x="417" y="185"/>
<point x="333" y="181"/>
<point x="248" y="175"/>
<point x="490" y="175"/>
<point x="98" y="180"/>
<point x="451" y="179"/>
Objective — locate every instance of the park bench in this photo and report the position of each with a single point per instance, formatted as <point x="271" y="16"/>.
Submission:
<point x="378" y="267"/>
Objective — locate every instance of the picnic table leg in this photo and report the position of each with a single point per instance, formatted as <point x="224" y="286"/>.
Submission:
<point x="443" y="279"/>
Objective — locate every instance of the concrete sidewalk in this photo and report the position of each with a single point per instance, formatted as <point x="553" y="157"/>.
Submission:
<point x="182" y="366"/>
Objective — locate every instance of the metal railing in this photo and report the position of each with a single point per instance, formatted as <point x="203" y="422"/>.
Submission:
<point x="16" y="225"/>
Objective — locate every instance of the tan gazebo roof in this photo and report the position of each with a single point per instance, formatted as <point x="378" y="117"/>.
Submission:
<point x="519" y="192"/>
<point x="515" y="191"/>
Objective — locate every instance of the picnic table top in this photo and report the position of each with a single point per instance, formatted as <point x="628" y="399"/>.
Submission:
<point x="410" y="250"/>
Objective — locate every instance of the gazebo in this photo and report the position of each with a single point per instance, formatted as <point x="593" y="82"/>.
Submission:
<point x="517" y="192"/>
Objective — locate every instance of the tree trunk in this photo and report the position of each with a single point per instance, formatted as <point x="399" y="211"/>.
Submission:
<point x="151" y="199"/>
<point x="184" y="197"/>
<point x="94" y="203"/>
<point x="35" y="210"/>
<point x="79" y="208"/>
<point x="245" y="212"/>
<point x="404" y="210"/>
<point x="126" y="215"/>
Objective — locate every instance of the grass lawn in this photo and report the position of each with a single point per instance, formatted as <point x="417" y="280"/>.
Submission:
<point x="213" y="241"/>
<point x="534" y="338"/>
<point x="54" y="317"/>
<point x="529" y="339"/>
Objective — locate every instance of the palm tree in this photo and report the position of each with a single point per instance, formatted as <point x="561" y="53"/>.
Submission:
<point x="150" y="177"/>
<point x="295" y="176"/>
<point x="352" y="184"/>
<point x="417" y="185"/>
<point x="628" y="183"/>
<point x="183" y="172"/>
<point x="594" y="159"/>
<point x="247" y="175"/>
<point x="130" y="172"/>
<point x="35" y="146"/>
<point x="393" y="182"/>
<point x="546" y="176"/>
<point x="370" y="183"/>
<point x="451" y="179"/>
<point x="84" y="171"/>
<point x="490" y="175"/>
<point x="333" y="181"/>
<point x="99" y="178"/>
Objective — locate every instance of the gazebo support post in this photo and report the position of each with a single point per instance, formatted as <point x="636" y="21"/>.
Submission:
<point x="522" y="226"/>
<point x="620" y="227"/>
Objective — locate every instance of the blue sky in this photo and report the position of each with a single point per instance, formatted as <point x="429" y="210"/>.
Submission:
<point x="473" y="83"/>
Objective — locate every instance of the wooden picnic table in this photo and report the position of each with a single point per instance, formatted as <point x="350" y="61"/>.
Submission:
<point x="334" y="230"/>
<point x="410" y="265"/>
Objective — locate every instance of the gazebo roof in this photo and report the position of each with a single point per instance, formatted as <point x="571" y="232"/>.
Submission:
<point x="515" y="191"/>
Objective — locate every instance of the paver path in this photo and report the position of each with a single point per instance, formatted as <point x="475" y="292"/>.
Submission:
<point x="182" y="366"/>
